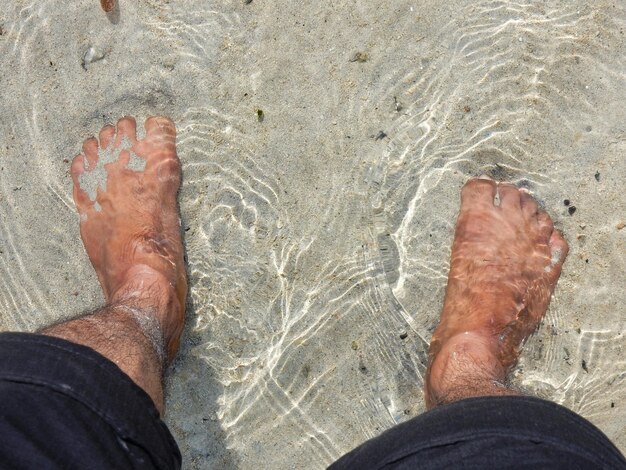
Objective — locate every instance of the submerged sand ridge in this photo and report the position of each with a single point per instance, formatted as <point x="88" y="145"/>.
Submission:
<point x="318" y="237"/>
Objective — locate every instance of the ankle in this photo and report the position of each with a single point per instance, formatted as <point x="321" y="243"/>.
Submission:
<point x="150" y="295"/>
<point x="143" y="285"/>
<point x="463" y="366"/>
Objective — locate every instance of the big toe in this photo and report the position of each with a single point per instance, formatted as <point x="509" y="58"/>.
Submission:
<point x="160" y="141"/>
<point x="479" y="192"/>
<point x="509" y="196"/>
<point x="159" y="146"/>
<point x="160" y="127"/>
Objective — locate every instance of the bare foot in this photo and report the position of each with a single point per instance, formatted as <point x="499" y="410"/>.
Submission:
<point x="506" y="260"/>
<point x="131" y="230"/>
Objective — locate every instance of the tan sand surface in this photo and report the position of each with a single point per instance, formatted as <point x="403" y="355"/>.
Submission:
<point x="323" y="146"/>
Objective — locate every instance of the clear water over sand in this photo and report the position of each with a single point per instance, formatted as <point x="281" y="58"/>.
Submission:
<point x="323" y="146"/>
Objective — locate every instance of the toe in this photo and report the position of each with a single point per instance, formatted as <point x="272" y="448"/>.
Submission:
<point x="127" y="127"/>
<point x="78" y="167"/>
<point x="558" y="243"/>
<point x="479" y="191"/>
<point x="509" y="196"/>
<point x="159" y="145"/>
<point x="528" y="203"/>
<point x="558" y="250"/>
<point x="81" y="198"/>
<point x="160" y="141"/>
<point x="90" y="150"/>
<point x="161" y="127"/>
<point x="545" y="224"/>
<point x="107" y="134"/>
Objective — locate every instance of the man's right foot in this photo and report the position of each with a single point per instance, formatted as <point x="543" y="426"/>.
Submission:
<point x="506" y="260"/>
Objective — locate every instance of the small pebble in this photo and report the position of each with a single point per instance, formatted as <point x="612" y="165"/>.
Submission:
<point x="380" y="136"/>
<point x="620" y="226"/>
<point x="571" y="210"/>
<point x="566" y="202"/>
<point x="260" y="115"/>
<point x="354" y="345"/>
<point x="397" y="104"/>
<point x="359" y="57"/>
<point x="91" y="55"/>
<point x="403" y="335"/>
<point x="597" y="176"/>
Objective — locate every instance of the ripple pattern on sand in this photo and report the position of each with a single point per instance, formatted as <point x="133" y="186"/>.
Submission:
<point x="272" y="307"/>
<point x="318" y="236"/>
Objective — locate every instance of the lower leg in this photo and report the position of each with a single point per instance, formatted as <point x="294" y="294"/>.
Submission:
<point x="115" y="332"/>
<point x="127" y="333"/>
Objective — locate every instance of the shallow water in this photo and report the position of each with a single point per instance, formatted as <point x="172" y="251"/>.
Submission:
<point x="318" y="236"/>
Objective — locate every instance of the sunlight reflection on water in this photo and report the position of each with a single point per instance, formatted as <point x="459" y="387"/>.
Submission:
<point x="318" y="237"/>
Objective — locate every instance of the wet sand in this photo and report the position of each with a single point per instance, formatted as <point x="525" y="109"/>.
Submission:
<point x="323" y="149"/>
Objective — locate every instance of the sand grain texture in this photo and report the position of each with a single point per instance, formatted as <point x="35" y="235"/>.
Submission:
<point x="318" y="236"/>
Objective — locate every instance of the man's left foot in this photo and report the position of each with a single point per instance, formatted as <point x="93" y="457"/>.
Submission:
<point x="131" y="226"/>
